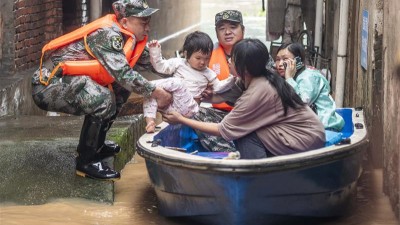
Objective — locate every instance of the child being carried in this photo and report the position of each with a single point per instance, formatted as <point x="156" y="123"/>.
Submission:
<point x="191" y="76"/>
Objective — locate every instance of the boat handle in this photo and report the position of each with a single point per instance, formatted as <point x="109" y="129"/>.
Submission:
<point x="359" y="125"/>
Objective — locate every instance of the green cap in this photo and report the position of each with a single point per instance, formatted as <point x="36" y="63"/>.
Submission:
<point x="136" y="8"/>
<point x="229" y="15"/>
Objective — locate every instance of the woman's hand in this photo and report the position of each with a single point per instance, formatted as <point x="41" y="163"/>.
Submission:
<point x="172" y="117"/>
<point x="290" y="71"/>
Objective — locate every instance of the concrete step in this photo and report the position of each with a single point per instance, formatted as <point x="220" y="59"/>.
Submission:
<point x="37" y="157"/>
<point x="15" y="95"/>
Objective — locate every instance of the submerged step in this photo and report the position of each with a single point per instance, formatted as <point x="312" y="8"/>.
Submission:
<point x="37" y="155"/>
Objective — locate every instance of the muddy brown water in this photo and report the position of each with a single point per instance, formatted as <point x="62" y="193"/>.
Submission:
<point x="136" y="204"/>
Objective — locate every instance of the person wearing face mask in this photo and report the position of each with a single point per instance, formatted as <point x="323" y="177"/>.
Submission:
<point x="90" y="72"/>
<point x="312" y="87"/>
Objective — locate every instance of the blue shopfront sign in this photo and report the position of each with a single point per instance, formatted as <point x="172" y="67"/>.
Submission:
<point x="364" y="40"/>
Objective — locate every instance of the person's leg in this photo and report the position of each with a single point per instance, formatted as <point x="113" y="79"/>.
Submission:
<point x="213" y="143"/>
<point x="79" y="95"/>
<point x="184" y="102"/>
<point x="88" y="163"/>
<point x="76" y="95"/>
<point x="110" y="148"/>
<point x="251" y="147"/>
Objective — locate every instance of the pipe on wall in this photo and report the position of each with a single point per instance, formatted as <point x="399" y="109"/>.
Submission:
<point x="342" y="51"/>
<point x="318" y="24"/>
<point x="95" y="9"/>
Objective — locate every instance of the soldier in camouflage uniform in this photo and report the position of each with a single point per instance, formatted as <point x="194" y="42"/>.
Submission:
<point x="80" y="95"/>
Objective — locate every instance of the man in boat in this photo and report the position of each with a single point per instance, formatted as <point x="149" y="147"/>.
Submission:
<point x="229" y="29"/>
<point x="90" y="72"/>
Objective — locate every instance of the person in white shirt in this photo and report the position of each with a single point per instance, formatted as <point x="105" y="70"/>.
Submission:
<point x="191" y="76"/>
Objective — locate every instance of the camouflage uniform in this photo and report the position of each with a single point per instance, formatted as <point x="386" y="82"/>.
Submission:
<point x="80" y="95"/>
<point x="210" y="142"/>
<point x="213" y="115"/>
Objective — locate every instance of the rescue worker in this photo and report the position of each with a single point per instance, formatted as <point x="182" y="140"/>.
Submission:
<point x="89" y="72"/>
<point x="229" y="29"/>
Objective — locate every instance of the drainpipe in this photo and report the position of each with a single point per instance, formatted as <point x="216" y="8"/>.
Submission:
<point x="342" y="51"/>
<point x="318" y="28"/>
<point x="95" y="9"/>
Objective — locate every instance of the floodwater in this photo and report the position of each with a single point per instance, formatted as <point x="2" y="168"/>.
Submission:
<point x="136" y="204"/>
<point x="135" y="201"/>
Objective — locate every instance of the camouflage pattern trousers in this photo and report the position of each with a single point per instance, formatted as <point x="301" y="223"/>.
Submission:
<point x="78" y="95"/>
<point x="213" y="143"/>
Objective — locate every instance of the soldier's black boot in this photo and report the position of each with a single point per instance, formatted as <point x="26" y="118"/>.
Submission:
<point x="107" y="148"/>
<point x="88" y="164"/>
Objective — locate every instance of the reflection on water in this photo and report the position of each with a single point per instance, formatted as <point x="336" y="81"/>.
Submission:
<point x="136" y="204"/>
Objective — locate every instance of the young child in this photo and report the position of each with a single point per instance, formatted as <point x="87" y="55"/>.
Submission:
<point x="191" y="76"/>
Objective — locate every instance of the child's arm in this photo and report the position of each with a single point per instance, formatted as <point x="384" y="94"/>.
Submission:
<point x="223" y="85"/>
<point x="160" y="64"/>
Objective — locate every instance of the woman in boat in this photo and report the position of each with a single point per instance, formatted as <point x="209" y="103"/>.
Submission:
<point x="269" y="118"/>
<point x="308" y="82"/>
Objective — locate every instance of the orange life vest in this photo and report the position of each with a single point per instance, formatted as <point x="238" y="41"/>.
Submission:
<point x="220" y="66"/>
<point x="92" y="68"/>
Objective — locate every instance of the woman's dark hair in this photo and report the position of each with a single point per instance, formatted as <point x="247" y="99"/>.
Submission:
<point x="251" y="56"/>
<point x="298" y="51"/>
<point x="197" y="41"/>
<point x="295" y="48"/>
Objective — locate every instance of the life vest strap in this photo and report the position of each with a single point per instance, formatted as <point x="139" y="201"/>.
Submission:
<point x="53" y="73"/>
<point x="87" y="47"/>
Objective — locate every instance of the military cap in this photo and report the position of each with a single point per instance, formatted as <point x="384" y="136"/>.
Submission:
<point x="229" y="15"/>
<point x="136" y="8"/>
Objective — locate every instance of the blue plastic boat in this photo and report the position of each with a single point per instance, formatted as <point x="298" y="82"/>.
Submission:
<point x="208" y="188"/>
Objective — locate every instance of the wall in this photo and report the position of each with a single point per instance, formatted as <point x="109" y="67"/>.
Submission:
<point x="377" y="87"/>
<point x="364" y="87"/>
<point x="169" y="20"/>
<point x="36" y="22"/>
<point x="32" y="24"/>
<point x="6" y="39"/>
<point x="391" y="118"/>
<point x="75" y="14"/>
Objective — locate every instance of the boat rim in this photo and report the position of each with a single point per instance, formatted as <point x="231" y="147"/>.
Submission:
<point x="162" y="155"/>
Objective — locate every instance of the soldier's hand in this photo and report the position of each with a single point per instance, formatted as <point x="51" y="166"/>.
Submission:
<point x="163" y="98"/>
<point x="207" y="93"/>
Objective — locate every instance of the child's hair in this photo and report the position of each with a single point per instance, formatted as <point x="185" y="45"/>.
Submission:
<point x="197" y="41"/>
